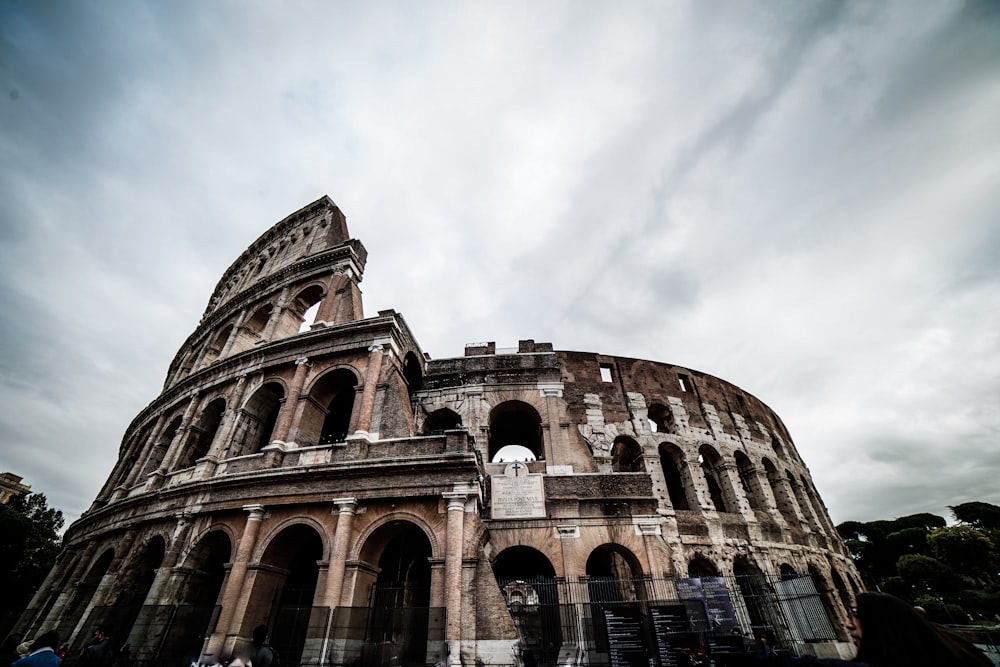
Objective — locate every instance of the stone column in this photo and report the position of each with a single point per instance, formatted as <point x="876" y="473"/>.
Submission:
<point x="276" y="313"/>
<point x="220" y="443"/>
<point x="554" y="446"/>
<point x="232" y="600"/>
<point x="288" y="410"/>
<point x="234" y="334"/>
<point x="166" y="569"/>
<point x="346" y="507"/>
<point x="144" y="457"/>
<point x="177" y="444"/>
<point x="455" y="539"/>
<point x="68" y="589"/>
<point x="108" y="580"/>
<point x="375" y="353"/>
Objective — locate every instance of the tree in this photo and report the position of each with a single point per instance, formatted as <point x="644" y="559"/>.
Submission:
<point x="926" y="574"/>
<point x="29" y="548"/>
<point x="978" y="515"/>
<point x="964" y="549"/>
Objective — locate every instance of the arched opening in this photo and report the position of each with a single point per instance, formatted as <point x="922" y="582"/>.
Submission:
<point x="779" y="489"/>
<point x="413" y="372"/>
<point x="699" y="567"/>
<point x="162" y="445"/>
<point x="776" y="446"/>
<point x="626" y="455"/>
<point x="305" y="307"/>
<point x="678" y="488"/>
<point x="614" y="587"/>
<point x="252" y="331"/>
<point x="614" y="574"/>
<point x="441" y="420"/>
<point x="802" y="501"/>
<point x="134" y="586"/>
<point x="710" y="463"/>
<point x="84" y="592"/>
<point x="749" y="481"/>
<point x="284" y="590"/>
<point x="814" y="622"/>
<point x="330" y="423"/>
<point x="399" y="595"/>
<point x="258" y="419"/>
<point x="203" y="433"/>
<point x="822" y="521"/>
<point x="515" y="423"/>
<point x="215" y="347"/>
<point x="527" y="579"/>
<point x="758" y="599"/>
<point x="787" y="572"/>
<point x="661" y="418"/>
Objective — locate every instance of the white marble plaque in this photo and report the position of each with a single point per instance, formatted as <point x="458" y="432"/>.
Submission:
<point x="517" y="496"/>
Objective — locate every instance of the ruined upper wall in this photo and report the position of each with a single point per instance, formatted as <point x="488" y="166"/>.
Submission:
<point x="309" y="231"/>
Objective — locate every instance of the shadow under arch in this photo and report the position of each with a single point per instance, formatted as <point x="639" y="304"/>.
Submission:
<point x="527" y="580"/>
<point x="283" y="593"/>
<point x="393" y="584"/>
<point x="515" y="423"/>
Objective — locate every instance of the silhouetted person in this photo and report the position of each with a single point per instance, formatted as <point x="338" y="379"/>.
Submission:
<point x="43" y="652"/>
<point x="100" y="652"/>
<point x="263" y="654"/>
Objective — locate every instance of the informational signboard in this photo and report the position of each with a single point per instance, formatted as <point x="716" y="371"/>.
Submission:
<point x="517" y="494"/>
<point x="714" y="597"/>
<point x="625" y="637"/>
<point x="668" y="620"/>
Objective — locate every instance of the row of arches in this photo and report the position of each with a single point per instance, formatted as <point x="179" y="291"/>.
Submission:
<point x="272" y="319"/>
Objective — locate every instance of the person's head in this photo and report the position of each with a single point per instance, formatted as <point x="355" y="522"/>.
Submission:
<point x="103" y="630"/>
<point x="48" y="639"/>
<point x="260" y="634"/>
<point x="888" y="631"/>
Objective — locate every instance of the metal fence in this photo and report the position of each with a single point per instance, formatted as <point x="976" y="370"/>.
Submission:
<point x="599" y="620"/>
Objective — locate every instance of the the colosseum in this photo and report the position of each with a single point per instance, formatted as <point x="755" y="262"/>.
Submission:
<point x="311" y="468"/>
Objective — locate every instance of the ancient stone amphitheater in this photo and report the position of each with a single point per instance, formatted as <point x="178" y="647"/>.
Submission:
<point x="311" y="468"/>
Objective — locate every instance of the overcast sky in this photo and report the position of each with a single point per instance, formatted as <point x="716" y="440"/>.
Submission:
<point x="801" y="197"/>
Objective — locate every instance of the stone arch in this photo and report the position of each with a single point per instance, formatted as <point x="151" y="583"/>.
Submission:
<point x="527" y="580"/>
<point x="441" y="420"/>
<point x="284" y="588"/>
<point x="701" y="566"/>
<point x="677" y="475"/>
<point x="413" y="372"/>
<point x="830" y="602"/>
<point x="660" y="416"/>
<point x="363" y="541"/>
<point x="626" y="455"/>
<point x="258" y="418"/>
<point x="394" y="581"/>
<point x="215" y="345"/>
<point x="614" y="574"/>
<point x="711" y="464"/>
<point x="304" y="307"/>
<point x="757" y="597"/>
<point x="779" y="488"/>
<point x="274" y="532"/>
<point x="162" y="444"/>
<point x="136" y="580"/>
<point x="749" y="481"/>
<point x="329" y="415"/>
<point x="786" y="572"/>
<point x="253" y="329"/>
<point x="85" y="590"/>
<point x="515" y="423"/>
<point x="203" y="433"/>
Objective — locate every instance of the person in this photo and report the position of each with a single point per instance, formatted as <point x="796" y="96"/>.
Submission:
<point x="100" y="652"/>
<point x="263" y="655"/>
<point x="43" y="652"/>
<point x="888" y="632"/>
<point x="8" y="651"/>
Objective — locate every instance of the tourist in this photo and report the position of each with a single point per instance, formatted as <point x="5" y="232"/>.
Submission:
<point x="43" y="652"/>
<point x="100" y="652"/>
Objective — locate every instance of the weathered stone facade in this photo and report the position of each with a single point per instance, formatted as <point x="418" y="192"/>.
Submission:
<point x="314" y="470"/>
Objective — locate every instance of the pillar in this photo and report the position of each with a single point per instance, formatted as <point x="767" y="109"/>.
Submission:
<point x="233" y="596"/>
<point x="375" y="353"/>
<point x="455" y="539"/>
<point x="346" y="508"/>
<point x="284" y="425"/>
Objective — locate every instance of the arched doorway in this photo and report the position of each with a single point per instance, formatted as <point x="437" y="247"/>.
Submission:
<point x="515" y="423"/>
<point x="284" y="588"/>
<point x="396" y="577"/>
<point x="179" y="640"/>
<point x="84" y="592"/>
<point x="527" y="580"/>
